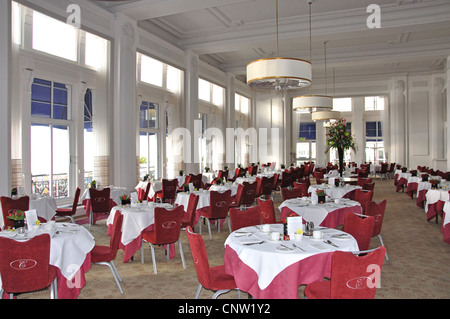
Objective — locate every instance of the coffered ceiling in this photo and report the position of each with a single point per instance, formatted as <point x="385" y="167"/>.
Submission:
<point x="414" y="35"/>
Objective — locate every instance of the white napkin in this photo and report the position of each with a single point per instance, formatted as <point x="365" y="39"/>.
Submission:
<point x="191" y="187"/>
<point x="134" y="197"/>
<point x="31" y="218"/>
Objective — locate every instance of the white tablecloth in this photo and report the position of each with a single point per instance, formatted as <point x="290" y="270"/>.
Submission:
<point x="332" y="191"/>
<point x="435" y="195"/>
<point x="318" y="212"/>
<point x="223" y="188"/>
<point x="135" y="219"/>
<point x="269" y="258"/>
<point x="183" y="199"/>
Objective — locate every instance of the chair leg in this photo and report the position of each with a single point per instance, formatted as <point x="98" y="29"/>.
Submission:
<point x="182" y="254"/>
<point x="199" y="288"/>
<point x="72" y="219"/>
<point x="209" y="228"/>
<point x="54" y="289"/>
<point x="219" y="292"/>
<point x="229" y="224"/>
<point x="153" y="259"/>
<point x="115" y="273"/>
<point x="382" y="244"/>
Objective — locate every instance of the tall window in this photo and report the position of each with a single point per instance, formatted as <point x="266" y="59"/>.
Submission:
<point x="210" y="92"/>
<point x="242" y="103"/>
<point x="54" y="37"/>
<point x="374" y="143"/>
<point x="374" y="103"/>
<point x="148" y="139"/>
<point x="203" y="151"/>
<point x="342" y="104"/>
<point x="50" y="138"/>
<point x="89" y="143"/>
<point x="157" y="73"/>
<point x="306" y="147"/>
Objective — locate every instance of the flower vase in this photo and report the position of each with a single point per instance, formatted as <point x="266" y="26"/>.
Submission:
<point x="341" y="160"/>
<point x="19" y="223"/>
<point x="321" y="199"/>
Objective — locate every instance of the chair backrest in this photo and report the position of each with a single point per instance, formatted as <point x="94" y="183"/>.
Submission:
<point x="167" y="224"/>
<point x="196" y="180"/>
<point x="189" y="216"/>
<point x="275" y="181"/>
<point x="376" y="210"/>
<point x="303" y="186"/>
<point x="244" y="218"/>
<point x="295" y="192"/>
<point x="353" y="277"/>
<point x="286" y="179"/>
<point x="200" y="257"/>
<point x="114" y="240"/>
<point x="267" y="211"/>
<point x="362" y="181"/>
<point x="169" y="188"/>
<point x="219" y="203"/>
<point x="369" y="186"/>
<point x="248" y="193"/>
<point x="10" y="204"/>
<point x="147" y="190"/>
<point x="363" y="197"/>
<point x="24" y="265"/>
<point x="360" y="227"/>
<point x="266" y="185"/>
<point x="100" y="200"/>
<point x="76" y="199"/>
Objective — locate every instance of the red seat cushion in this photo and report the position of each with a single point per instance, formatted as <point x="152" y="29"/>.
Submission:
<point x="319" y="290"/>
<point x="220" y="280"/>
<point x="101" y="254"/>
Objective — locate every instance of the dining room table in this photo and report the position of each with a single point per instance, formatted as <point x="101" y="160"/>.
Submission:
<point x="333" y="191"/>
<point x="435" y="200"/>
<point x="70" y="248"/>
<point x="137" y="218"/>
<point x="45" y="207"/>
<point x="274" y="269"/>
<point x="445" y="228"/>
<point x="329" y="214"/>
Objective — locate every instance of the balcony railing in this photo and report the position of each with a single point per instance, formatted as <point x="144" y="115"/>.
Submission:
<point x="40" y="184"/>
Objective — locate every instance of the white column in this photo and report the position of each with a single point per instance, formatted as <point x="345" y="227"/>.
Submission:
<point x="321" y="145"/>
<point x="358" y="129"/>
<point x="287" y="130"/>
<point x="191" y="109"/>
<point x="5" y="97"/>
<point x="229" y="120"/>
<point x="398" y="125"/>
<point x="124" y="111"/>
<point x="437" y="119"/>
<point x="447" y="85"/>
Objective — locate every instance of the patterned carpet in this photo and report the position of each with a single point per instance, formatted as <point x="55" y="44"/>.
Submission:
<point x="418" y="266"/>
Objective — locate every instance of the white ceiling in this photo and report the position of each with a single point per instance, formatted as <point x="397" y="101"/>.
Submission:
<point x="414" y="34"/>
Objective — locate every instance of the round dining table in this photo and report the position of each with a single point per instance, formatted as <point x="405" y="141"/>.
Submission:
<point x="136" y="220"/>
<point x="70" y="248"/>
<point x="332" y="191"/>
<point x="329" y="214"/>
<point x="275" y="269"/>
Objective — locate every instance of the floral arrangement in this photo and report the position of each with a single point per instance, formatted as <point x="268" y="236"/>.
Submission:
<point x="14" y="191"/>
<point x="181" y="172"/>
<point x="93" y="183"/>
<point x="339" y="137"/>
<point x="125" y="197"/>
<point x="434" y="183"/>
<point x="320" y="192"/>
<point x="16" y="215"/>
<point x="207" y="169"/>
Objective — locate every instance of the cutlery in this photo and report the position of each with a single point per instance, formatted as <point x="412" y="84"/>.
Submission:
<point x="329" y="242"/>
<point x="257" y="243"/>
<point x="286" y="247"/>
<point x="298" y="247"/>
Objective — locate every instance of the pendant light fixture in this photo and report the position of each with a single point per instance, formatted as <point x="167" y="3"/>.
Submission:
<point x="311" y="103"/>
<point x="279" y="73"/>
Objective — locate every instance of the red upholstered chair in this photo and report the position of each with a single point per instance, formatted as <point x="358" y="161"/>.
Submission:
<point x="100" y="202"/>
<point x="352" y="276"/>
<point x="168" y="191"/>
<point x="303" y="186"/>
<point x="196" y="181"/>
<point x="376" y="210"/>
<point x="265" y="186"/>
<point x="145" y="195"/>
<point x="189" y="215"/>
<point x="70" y="212"/>
<point x="363" y="197"/>
<point x="105" y="255"/>
<point x="362" y="181"/>
<point x="244" y="218"/>
<point x="369" y="186"/>
<point x="245" y="195"/>
<point x="211" y="278"/>
<point x="223" y="174"/>
<point x="25" y="266"/>
<point x="219" y="203"/>
<point x="360" y="227"/>
<point x="295" y="192"/>
<point x="267" y="211"/>
<point x="11" y="204"/>
<point x="166" y="231"/>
